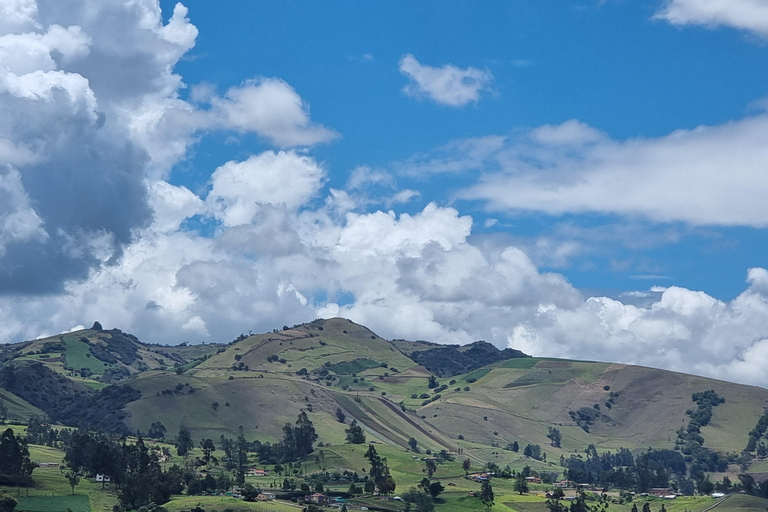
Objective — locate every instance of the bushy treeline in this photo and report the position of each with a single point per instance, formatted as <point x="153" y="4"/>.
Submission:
<point x="622" y="470"/>
<point x="690" y="442"/>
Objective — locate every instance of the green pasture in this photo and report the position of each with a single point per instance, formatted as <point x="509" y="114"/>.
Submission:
<point x="76" y="503"/>
<point x="221" y="503"/>
<point x="78" y="355"/>
<point x="350" y="367"/>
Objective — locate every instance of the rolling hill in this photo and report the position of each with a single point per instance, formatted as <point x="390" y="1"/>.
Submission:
<point x="483" y="399"/>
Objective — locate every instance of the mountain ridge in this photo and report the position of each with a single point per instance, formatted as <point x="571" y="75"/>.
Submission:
<point x="263" y="381"/>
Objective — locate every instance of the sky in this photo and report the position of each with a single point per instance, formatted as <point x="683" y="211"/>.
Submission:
<point x="581" y="179"/>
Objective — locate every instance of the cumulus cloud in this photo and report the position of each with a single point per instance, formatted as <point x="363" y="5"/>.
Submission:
<point x="682" y="330"/>
<point x="277" y="260"/>
<point x="749" y="15"/>
<point x="272" y="108"/>
<point x="92" y="122"/>
<point x="284" y="178"/>
<point x="446" y="85"/>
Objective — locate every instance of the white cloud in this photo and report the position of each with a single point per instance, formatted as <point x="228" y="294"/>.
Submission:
<point x="284" y="178"/>
<point x="683" y="330"/>
<point x="456" y="157"/>
<point x="711" y="175"/>
<point x="272" y="108"/>
<point x="446" y="85"/>
<point x="749" y="15"/>
<point x="280" y="264"/>
<point x="90" y="107"/>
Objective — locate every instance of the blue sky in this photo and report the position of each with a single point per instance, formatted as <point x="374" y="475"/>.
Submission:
<point x="577" y="179"/>
<point x="610" y="65"/>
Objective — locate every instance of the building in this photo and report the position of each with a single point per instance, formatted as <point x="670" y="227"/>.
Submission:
<point x="318" y="498"/>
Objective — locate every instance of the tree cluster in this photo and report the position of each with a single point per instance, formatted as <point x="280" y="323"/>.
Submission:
<point x="15" y="464"/>
<point x="296" y="444"/>
<point x="379" y="473"/>
<point x="653" y="468"/>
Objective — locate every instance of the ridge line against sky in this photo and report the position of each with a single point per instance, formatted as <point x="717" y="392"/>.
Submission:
<point x="583" y="183"/>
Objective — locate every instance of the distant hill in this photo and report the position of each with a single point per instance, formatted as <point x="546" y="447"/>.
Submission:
<point x="484" y="399"/>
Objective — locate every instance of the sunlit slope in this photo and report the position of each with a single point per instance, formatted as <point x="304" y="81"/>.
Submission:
<point x="634" y="407"/>
<point x="326" y="365"/>
<point x="264" y="381"/>
<point x="97" y="357"/>
<point x="309" y="346"/>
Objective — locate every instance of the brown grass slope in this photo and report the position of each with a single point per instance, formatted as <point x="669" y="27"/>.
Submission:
<point x="515" y="400"/>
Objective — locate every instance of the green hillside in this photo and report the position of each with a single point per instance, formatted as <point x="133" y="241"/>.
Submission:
<point x="335" y="368"/>
<point x="267" y="379"/>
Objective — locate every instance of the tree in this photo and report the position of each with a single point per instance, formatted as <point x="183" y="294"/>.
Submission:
<point x="466" y="465"/>
<point x="580" y="504"/>
<point x="554" y="436"/>
<point x="355" y="434"/>
<point x="515" y="447"/>
<point x="157" y="430"/>
<point x="379" y="473"/>
<point x="435" y="489"/>
<point x="486" y="495"/>
<point x="249" y="492"/>
<point x="241" y="462"/>
<point x="298" y="439"/>
<point x="184" y="441"/>
<point x="521" y="485"/>
<point x="7" y="504"/>
<point x="432" y="383"/>
<point x="634" y="507"/>
<point x="413" y="445"/>
<point x="340" y="416"/>
<point x="208" y="448"/>
<point x="646" y="507"/>
<point x="554" y="505"/>
<point x="533" y="451"/>
<point x="15" y="464"/>
<point x="418" y="501"/>
<point x="429" y="468"/>
<point x="74" y="479"/>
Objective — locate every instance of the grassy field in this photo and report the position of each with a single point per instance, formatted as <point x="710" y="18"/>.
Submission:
<point x="78" y="355"/>
<point x="514" y="400"/>
<point x="52" y="492"/>
<point x="371" y="380"/>
<point x="76" y="503"/>
<point x="221" y="503"/>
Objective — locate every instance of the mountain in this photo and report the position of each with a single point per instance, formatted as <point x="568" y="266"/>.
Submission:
<point x="483" y="399"/>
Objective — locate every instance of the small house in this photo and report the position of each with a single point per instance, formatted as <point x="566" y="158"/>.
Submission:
<point x="318" y="498"/>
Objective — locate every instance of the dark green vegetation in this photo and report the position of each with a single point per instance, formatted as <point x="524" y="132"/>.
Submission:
<point x="317" y="393"/>
<point x="447" y="361"/>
